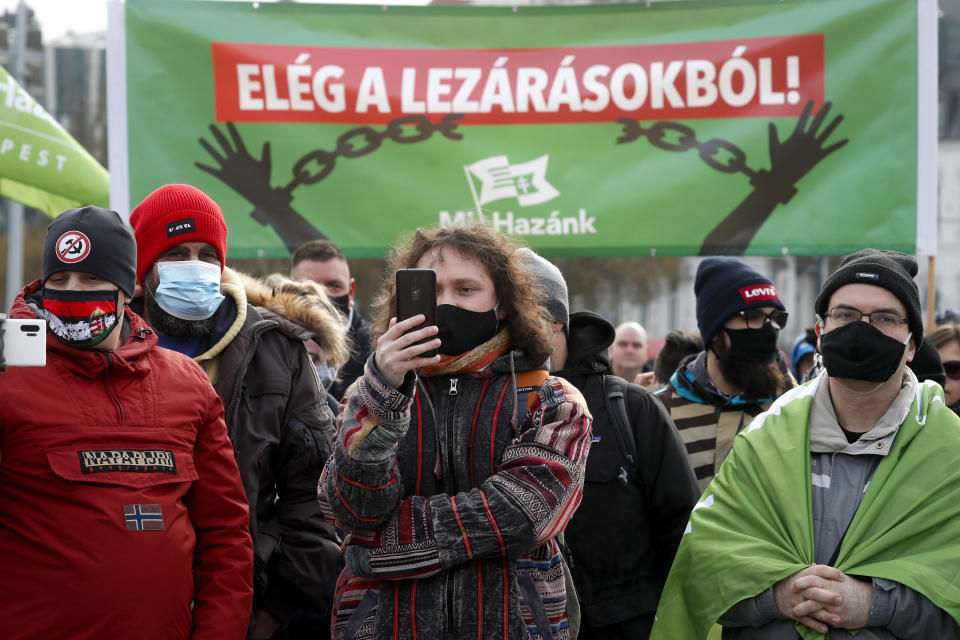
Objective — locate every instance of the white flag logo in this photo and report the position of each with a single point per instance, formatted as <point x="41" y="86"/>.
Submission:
<point x="527" y="182"/>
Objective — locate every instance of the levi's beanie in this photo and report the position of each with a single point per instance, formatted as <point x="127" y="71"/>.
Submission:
<point x="91" y="240"/>
<point x="550" y="280"/>
<point x="723" y="287"/>
<point x="892" y="270"/>
<point x="174" y="214"/>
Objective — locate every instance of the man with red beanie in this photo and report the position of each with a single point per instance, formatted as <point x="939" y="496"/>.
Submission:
<point x="276" y="411"/>
<point x="122" y="514"/>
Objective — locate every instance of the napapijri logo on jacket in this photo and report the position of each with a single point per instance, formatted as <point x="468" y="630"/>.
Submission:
<point x="180" y="227"/>
<point x="129" y="460"/>
<point x="758" y="293"/>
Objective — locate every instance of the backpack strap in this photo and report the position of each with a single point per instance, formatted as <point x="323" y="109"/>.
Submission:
<point x="528" y="383"/>
<point x="614" y="390"/>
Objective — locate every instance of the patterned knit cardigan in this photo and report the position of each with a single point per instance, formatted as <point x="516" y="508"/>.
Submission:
<point x="453" y="508"/>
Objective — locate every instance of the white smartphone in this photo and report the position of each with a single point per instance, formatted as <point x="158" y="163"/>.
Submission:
<point x="24" y="342"/>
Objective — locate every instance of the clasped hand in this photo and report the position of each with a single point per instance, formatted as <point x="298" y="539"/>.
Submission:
<point x="821" y="595"/>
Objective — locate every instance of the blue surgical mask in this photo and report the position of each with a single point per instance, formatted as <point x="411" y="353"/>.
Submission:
<point x="327" y="375"/>
<point x="189" y="289"/>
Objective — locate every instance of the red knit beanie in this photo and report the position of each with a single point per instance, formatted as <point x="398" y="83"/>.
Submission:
<point x="174" y="214"/>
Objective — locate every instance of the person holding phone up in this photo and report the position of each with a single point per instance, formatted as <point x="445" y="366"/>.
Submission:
<point x="122" y="514"/>
<point x="455" y="473"/>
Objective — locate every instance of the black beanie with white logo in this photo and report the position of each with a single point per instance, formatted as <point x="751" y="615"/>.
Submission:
<point x="92" y="240"/>
<point x="892" y="270"/>
<point x="725" y="286"/>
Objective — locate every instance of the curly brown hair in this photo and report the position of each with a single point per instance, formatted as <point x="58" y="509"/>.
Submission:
<point x="517" y="292"/>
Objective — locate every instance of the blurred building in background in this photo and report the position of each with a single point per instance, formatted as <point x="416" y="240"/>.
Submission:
<point x="68" y="76"/>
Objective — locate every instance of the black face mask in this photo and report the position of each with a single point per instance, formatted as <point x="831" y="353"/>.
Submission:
<point x="461" y="330"/>
<point x="342" y="303"/>
<point x="754" y="345"/>
<point x="860" y="351"/>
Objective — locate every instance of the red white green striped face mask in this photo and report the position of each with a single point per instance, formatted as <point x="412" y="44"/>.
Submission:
<point x="81" y="319"/>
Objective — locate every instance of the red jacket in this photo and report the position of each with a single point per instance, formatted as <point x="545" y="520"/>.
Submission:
<point x="120" y="501"/>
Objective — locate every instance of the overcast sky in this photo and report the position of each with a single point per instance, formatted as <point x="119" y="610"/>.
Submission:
<point x="56" y="17"/>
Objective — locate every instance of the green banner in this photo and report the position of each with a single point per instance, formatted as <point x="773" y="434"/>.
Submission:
<point x="41" y="165"/>
<point x="685" y="128"/>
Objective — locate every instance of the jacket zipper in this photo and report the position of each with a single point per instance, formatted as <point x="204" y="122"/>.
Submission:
<point x="106" y="382"/>
<point x="451" y="436"/>
<point x="451" y="484"/>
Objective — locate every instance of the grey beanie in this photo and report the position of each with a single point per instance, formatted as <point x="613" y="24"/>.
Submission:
<point x="551" y="282"/>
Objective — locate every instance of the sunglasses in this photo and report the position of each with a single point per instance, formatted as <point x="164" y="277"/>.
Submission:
<point x="952" y="369"/>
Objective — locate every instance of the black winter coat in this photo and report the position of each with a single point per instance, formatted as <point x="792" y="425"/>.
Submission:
<point x="626" y="531"/>
<point x="282" y="432"/>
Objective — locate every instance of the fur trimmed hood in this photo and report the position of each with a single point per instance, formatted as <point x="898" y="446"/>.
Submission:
<point x="302" y="309"/>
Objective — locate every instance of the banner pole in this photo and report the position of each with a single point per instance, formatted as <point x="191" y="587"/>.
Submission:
<point x="931" y="291"/>
<point x="15" y="213"/>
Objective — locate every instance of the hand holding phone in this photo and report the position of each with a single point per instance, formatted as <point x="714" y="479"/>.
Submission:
<point x="24" y="342"/>
<point x="417" y="293"/>
<point x="411" y="341"/>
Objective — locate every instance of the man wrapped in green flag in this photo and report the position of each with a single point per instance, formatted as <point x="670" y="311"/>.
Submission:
<point x="838" y="509"/>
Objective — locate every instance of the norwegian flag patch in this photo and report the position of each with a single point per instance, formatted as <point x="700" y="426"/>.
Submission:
<point x="143" y="517"/>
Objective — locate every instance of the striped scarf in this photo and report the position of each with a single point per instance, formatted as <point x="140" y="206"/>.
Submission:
<point x="474" y="360"/>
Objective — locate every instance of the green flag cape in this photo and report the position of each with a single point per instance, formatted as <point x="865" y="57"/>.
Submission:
<point x="754" y="524"/>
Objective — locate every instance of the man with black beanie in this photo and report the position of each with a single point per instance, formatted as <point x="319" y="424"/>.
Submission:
<point x="122" y="514"/>
<point x="713" y="395"/>
<point x="836" y="509"/>
<point x="639" y="487"/>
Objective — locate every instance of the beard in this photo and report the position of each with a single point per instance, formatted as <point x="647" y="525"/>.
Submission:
<point x="173" y="326"/>
<point x="755" y="378"/>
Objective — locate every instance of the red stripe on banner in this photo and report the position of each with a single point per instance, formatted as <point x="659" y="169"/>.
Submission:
<point x="85" y="309"/>
<point x="745" y="78"/>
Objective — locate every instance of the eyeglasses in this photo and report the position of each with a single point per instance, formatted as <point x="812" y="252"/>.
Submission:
<point x="756" y="318"/>
<point x="885" y="321"/>
<point x="952" y="369"/>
